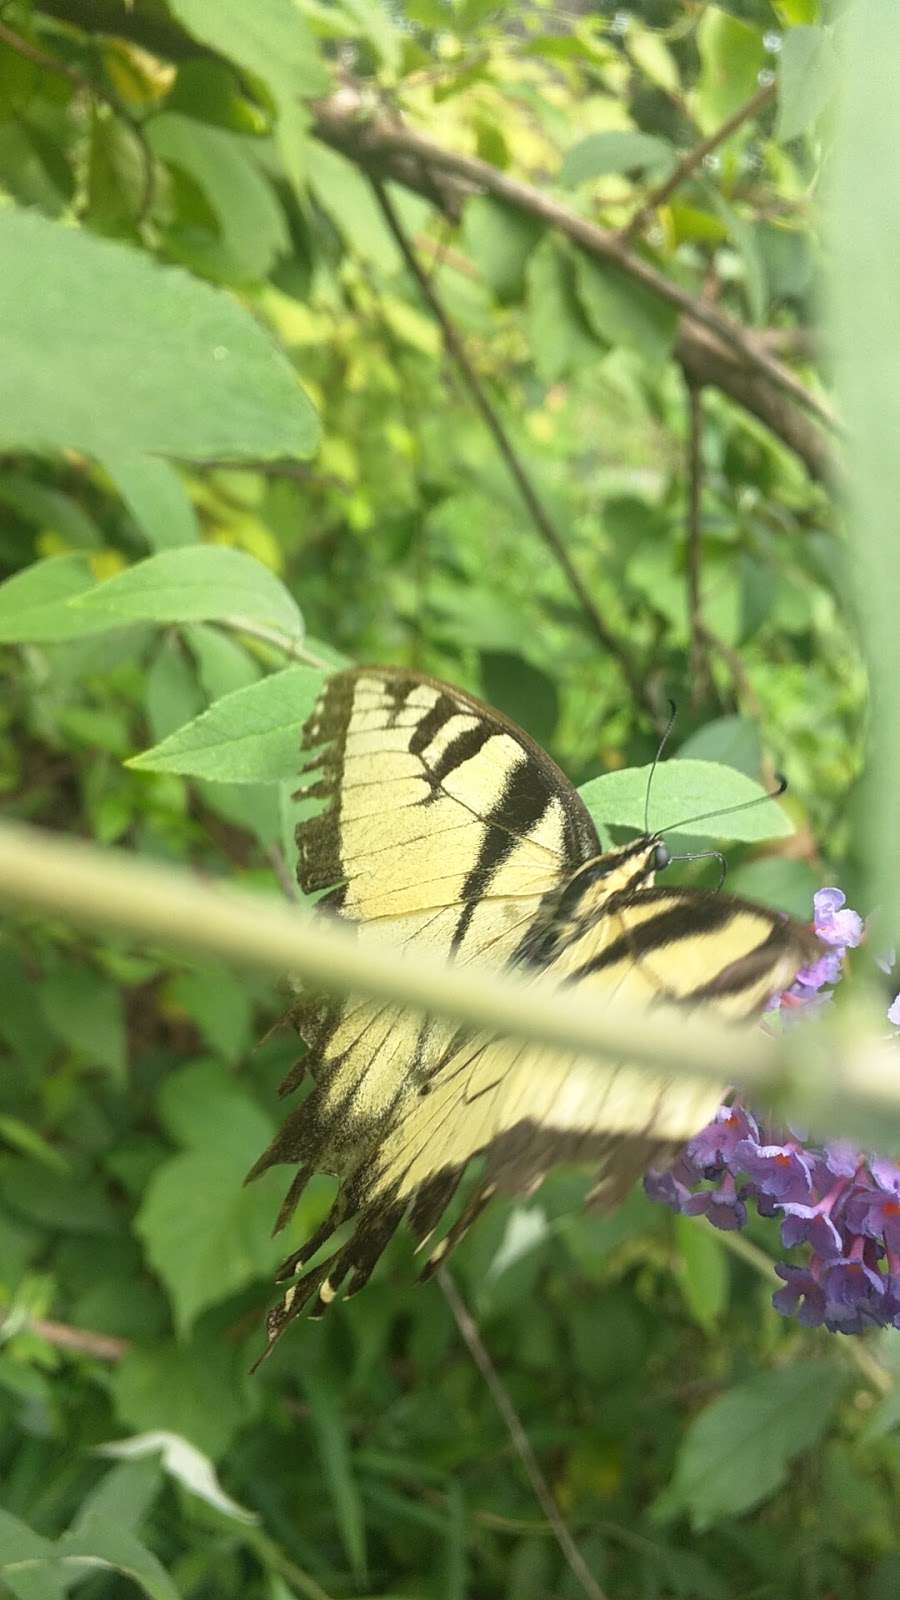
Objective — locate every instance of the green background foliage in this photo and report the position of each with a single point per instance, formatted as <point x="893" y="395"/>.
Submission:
<point x="233" y="454"/>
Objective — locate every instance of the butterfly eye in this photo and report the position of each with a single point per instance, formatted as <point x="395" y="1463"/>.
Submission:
<point x="661" y="857"/>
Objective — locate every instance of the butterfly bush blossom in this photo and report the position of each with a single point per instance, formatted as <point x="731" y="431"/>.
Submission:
<point x="844" y="1207"/>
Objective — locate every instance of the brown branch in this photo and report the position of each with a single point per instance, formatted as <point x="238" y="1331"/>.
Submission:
<point x="695" y="158"/>
<point x="699" y="661"/>
<point x="367" y="139"/>
<point x="534" y="505"/>
<point x="79" y="1341"/>
<point x="520" y="1441"/>
<point x="47" y="63"/>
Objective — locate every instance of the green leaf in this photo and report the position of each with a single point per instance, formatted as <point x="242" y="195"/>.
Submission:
<point x="559" y="336"/>
<point x="522" y="690"/>
<point x="195" y="1389"/>
<point x="171" y="691"/>
<point x="807" y="80"/>
<point x="779" y="882"/>
<point x="251" y="735"/>
<point x="335" y="1452"/>
<point x="182" y="1461"/>
<point x="85" y="1011"/>
<point x="500" y="241"/>
<point x="28" y="1566"/>
<point x="222" y="663"/>
<point x="621" y="311"/>
<point x="196" y="583"/>
<point x="221" y="1008"/>
<point x="157" y="499"/>
<point x="273" y="42"/>
<point x="50" y="511"/>
<point x="732" y="741"/>
<point x="204" y="1233"/>
<point x="617" y="150"/>
<point x="347" y="197"/>
<point x="252" y="232"/>
<point x="33" y="603"/>
<point x="105" y="1546"/>
<point x="732" y="55"/>
<point x="172" y="366"/>
<point x="702" y="1270"/>
<point x="682" y="791"/>
<point x="737" y="1451"/>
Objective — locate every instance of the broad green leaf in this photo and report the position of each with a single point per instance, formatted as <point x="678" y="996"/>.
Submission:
<point x="732" y="741"/>
<point x="34" y="605"/>
<point x="172" y="695"/>
<point x="249" y="736"/>
<point x="653" y="56"/>
<point x="106" y="1547"/>
<point x="864" y="245"/>
<point x="682" y="793"/>
<point x="732" y="55"/>
<point x="559" y="336"/>
<point x="702" y="1270"/>
<point x="621" y="311"/>
<point x="29" y="1142"/>
<point x="204" y="1233"/>
<point x="222" y="1010"/>
<point x="522" y="690"/>
<point x="273" y="42"/>
<point x="347" y="197"/>
<point x="28" y="1566"/>
<point x="807" y="79"/>
<point x="85" y="1011"/>
<point x="195" y="1389"/>
<point x="500" y="240"/>
<point x="779" y="882"/>
<point x="157" y="499"/>
<point x="182" y="1461"/>
<point x="616" y="150"/>
<point x="50" y="511"/>
<point x="172" y="366"/>
<point x="197" y="583"/>
<point x="222" y="663"/>
<point x="71" y="1205"/>
<point x="252" y="232"/>
<point x="738" y="1451"/>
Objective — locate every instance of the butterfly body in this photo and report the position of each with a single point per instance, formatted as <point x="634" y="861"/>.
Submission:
<point x="447" y="830"/>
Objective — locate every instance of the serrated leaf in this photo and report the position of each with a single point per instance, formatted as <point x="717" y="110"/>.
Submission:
<point x="34" y="605"/>
<point x="197" y="583"/>
<point x="249" y="736"/>
<point x="682" y="793"/>
<point x="172" y="366"/>
<point x="621" y="311"/>
<point x="614" y="150"/>
<point x="737" y="1451"/>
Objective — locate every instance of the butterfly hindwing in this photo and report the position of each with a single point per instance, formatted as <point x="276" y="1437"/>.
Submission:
<point x="447" y="829"/>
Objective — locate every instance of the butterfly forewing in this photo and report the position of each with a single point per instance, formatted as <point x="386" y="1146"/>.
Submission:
<point x="446" y="829"/>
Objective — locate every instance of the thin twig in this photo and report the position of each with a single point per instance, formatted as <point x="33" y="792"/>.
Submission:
<point x="365" y="137"/>
<point x="695" y="158"/>
<point x="520" y="1441"/>
<point x="699" y="664"/>
<point x="48" y="63"/>
<point x="79" y="1341"/>
<point x="536" y="509"/>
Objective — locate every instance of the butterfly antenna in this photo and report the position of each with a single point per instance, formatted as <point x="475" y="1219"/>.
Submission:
<point x="728" y="811"/>
<point x="673" y="712"/>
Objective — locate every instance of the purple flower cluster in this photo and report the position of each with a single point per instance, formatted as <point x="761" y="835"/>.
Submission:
<point x="843" y="1207"/>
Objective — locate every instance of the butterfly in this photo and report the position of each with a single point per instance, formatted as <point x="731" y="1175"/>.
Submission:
<point x="447" y="830"/>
